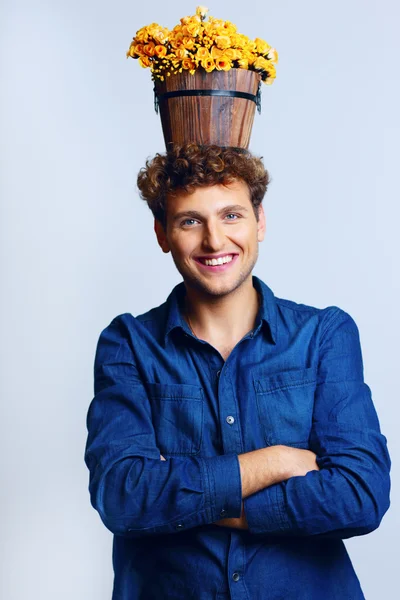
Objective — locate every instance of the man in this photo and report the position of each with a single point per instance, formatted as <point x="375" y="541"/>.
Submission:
<point x="233" y="443"/>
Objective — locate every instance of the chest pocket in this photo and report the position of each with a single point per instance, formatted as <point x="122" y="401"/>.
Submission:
<point x="178" y="414"/>
<point x="285" y="404"/>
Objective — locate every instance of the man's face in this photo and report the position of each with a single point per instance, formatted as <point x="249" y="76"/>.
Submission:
<point x="213" y="222"/>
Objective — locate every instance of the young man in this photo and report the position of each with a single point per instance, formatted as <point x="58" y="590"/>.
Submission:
<point x="232" y="441"/>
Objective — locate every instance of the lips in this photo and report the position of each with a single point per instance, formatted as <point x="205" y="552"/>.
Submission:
<point x="201" y="259"/>
<point x="216" y="268"/>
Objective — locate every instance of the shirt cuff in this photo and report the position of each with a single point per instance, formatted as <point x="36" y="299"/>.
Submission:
<point x="224" y="489"/>
<point x="266" y="510"/>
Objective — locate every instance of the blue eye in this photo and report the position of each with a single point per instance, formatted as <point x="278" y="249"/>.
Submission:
<point x="232" y="215"/>
<point x="186" y="220"/>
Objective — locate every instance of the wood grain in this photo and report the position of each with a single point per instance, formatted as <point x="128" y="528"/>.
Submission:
<point x="225" y="121"/>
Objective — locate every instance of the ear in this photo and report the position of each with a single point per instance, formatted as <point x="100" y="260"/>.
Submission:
<point x="161" y="236"/>
<point x="261" y="225"/>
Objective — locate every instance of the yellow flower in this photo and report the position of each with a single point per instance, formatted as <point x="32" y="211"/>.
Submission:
<point x="232" y="53"/>
<point x="208" y="64"/>
<point x="193" y="28"/>
<point x="249" y="56"/>
<point x="273" y="56"/>
<point x="160" y="51"/>
<point x="202" y="54"/>
<point x="202" y="11"/>
<point x="230" y="28"/>
<point x="270" y="71"/>
<point x="261" y="63"/>
<point x="199" y="43"/>
<point x="223" y="41"/>
<point x="180" y="53"/>
<point x="215" y="52"/>
<point x="144" y="61"/>
<point x="188" y="43"/>
<point x="261" y="46"/>
<point x="176" y="40"/>
<point x="222" y="63"/>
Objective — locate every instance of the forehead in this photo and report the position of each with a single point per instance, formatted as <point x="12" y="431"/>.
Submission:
<point x="210" y="199"/>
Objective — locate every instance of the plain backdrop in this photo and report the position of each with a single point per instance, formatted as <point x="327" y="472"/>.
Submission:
<point x="78" y="247"/>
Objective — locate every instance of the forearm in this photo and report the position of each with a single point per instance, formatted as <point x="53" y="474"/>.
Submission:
<point x="262" y="468"/>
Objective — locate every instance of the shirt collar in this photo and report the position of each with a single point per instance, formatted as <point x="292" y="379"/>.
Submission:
<point x="266" y="314"/>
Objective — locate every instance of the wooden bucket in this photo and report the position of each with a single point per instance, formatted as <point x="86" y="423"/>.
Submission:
<point x="208" y="108"/>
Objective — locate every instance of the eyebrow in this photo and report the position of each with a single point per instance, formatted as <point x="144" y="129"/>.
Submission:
<point x="196" y="215"/>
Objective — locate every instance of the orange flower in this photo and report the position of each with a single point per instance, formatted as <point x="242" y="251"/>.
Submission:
<point x="144" y="61"/>
<point x="187" y="63"/>
<point x="222" y="63"/>
<point x="149" y="49"/>
<point x="139" y="50"/>
<point x="160" y="51"/>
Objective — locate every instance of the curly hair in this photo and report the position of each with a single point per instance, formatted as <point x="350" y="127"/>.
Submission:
<point x="183" y="168"/>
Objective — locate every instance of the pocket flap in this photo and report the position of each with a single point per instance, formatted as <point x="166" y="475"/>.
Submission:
<point x="285" y="379"/>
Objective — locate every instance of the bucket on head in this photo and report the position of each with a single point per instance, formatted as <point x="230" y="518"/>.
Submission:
<point x="208" y="108"/>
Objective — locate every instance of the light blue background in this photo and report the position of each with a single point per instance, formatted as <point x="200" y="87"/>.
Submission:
<point x="78" y="247"/>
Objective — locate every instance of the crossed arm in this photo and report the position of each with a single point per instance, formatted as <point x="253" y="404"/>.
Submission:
<point x="267" y="466"/>
<point x="338" y="487"/>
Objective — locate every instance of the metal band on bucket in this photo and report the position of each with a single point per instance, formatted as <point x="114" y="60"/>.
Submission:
<point x="230" y="93"/>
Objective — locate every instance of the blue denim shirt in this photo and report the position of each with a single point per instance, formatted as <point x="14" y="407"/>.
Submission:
<point x="296" y="379"/>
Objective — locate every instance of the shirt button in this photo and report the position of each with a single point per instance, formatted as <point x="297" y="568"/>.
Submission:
<point x="230" y="419"/>
<point x="223" y="512"/>
<point x="218" y="373"/>
<point x="179" y="526"/>
<point x="236" y="576"/>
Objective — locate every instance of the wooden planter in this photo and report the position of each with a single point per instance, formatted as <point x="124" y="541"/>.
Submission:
<point x="208" y="108"/>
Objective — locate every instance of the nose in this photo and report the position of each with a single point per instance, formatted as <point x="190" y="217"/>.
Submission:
<point x="213" y="238"/>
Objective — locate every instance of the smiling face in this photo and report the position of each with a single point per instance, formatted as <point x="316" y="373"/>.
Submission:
<point x="214" y="224"/>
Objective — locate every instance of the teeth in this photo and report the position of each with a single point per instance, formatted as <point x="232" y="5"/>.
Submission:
<point x="218" y="261"/>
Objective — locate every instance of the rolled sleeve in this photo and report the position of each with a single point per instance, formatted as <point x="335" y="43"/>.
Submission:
<point x="224" y="486"/>
<point x="134" y="492"/>
<point x="266" y="511"/>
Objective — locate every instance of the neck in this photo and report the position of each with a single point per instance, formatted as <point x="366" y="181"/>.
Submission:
<point x="222" y="318"/>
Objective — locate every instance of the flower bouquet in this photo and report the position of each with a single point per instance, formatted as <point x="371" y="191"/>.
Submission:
<point x="207" y="78"/>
